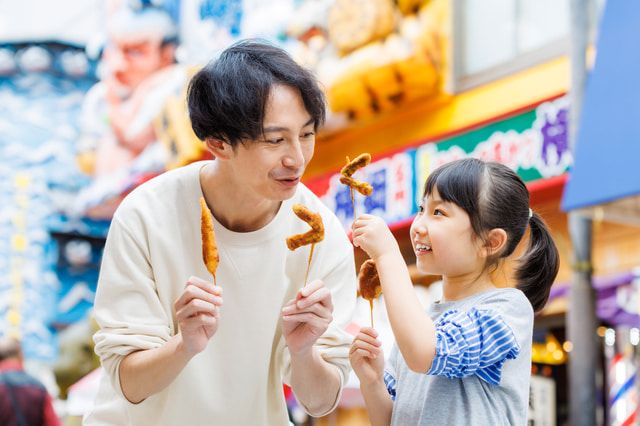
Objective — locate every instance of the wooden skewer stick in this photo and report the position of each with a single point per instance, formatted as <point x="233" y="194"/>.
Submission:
<point x="371" y="306"/>
<point x="306" y="274"/>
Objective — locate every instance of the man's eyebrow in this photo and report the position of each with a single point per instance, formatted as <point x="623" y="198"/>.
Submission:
<point x="272" y="129"/>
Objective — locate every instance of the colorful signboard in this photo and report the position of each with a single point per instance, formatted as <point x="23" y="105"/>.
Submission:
<point x="534" y="144"/>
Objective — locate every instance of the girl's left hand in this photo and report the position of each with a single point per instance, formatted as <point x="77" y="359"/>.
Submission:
<point x="372" y="234"/>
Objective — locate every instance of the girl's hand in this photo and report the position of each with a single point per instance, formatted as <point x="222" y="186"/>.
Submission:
<point x="366" y="357"/>
<point x="372" y="234"/>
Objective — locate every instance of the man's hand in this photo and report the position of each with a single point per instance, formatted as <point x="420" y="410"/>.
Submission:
<point x="372" y="235"/>
<point x="198" y="313"/>
<point x="306" y="317"/>
<point x="366" y="357"/>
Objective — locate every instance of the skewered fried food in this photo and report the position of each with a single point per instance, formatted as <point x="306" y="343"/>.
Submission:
<point x="357" y="163"/>
<point x="369" y="283"/>
<point x="314" y="235"/>
<point x="362" y="187"/>
<point x="209" y="249"/>
<point x="348" y="170"/>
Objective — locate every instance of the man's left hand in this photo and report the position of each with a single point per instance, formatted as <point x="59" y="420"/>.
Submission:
<point x="307" y="317"/>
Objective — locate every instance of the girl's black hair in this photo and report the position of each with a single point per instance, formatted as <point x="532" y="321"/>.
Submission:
<point x="494" y="196"/>
<point x="227" y="98"/>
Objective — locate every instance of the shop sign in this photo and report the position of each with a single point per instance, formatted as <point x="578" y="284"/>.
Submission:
<point x="535" y="144"/>
<point x="542" y="401"/>
<point x="393" y="191"/>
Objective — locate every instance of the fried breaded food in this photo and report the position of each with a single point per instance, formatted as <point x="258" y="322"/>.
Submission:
<point x="357" y="163"/>
<point x="368" y="281"/>
<point x="314" y="235"/>
<point x="362" y="187"/>
<point x="209" y="249"/>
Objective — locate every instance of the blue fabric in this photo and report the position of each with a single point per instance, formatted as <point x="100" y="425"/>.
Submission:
<point x="476" y="342"/>
<point x="390" y="383"/>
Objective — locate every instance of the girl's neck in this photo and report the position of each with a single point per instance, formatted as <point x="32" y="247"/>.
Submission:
<point x="460" y="287"/>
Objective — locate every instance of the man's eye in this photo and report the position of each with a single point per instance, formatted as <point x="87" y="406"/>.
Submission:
<point x="275" y="141"/>
<point x="308" y="134"/>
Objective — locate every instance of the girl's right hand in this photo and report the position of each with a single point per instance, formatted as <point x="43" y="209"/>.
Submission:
<point x="366" y="357"/>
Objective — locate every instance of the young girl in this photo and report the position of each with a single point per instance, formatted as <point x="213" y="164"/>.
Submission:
<point x="467" y="360"/>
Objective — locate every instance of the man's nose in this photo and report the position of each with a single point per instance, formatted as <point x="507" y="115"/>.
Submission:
<point x="294" y="158"/>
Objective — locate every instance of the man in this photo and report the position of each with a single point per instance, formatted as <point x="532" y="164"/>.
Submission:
<point x="24" y="401"/>
<point x="197" y="361"/>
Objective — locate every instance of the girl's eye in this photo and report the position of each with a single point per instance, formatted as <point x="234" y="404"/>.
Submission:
<point x="438" y="212"/>
<point x="420" y="209"/>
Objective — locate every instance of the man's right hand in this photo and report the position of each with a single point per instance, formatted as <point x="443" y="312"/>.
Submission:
<point x="198" y="312"/>
<point x="366" y="357"/>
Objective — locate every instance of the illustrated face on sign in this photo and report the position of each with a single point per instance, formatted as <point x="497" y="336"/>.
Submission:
<point x="131" y="60"/>
<point x="135" y="48"/>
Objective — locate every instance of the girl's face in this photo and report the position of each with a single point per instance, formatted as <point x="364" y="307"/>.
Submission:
<point x="443" y="239"/>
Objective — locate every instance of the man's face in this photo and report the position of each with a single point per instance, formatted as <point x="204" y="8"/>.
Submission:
<point x="271" y="167"/>
<point x="133" y="59"/>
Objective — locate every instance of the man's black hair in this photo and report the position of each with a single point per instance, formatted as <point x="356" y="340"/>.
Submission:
<point x="227" y="98"/>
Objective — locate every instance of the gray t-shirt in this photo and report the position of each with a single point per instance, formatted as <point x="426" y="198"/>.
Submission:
<point x="472" y="355"/>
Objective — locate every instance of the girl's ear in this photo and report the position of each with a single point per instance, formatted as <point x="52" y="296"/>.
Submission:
<point x="496" y="241"/>
<point x="219" y="148"/>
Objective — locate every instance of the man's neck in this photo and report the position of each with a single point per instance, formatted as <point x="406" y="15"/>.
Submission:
<point x="231" y="205"/>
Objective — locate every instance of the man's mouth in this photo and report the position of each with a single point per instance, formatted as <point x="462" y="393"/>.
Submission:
<point x="289" y="181"/>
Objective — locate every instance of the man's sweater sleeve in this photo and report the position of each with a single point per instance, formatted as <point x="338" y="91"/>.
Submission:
<point x="127" y="307"/>
<point x="340" y="278"/>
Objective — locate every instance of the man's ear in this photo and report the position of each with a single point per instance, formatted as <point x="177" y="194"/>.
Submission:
<point x="219" y="148"/>
<point x="496" y="241"/>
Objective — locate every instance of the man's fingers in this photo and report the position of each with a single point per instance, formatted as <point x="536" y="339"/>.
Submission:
<point x="197" y="321"/>
<point x="193" y="291"/>
<point x="194" y="307"/>
<point x="309" y="318"/>
<point x="204" y="285"/>
<point x="317" y="309"/>
<point x="312" y="287"/>
<point x="321" y="295"/>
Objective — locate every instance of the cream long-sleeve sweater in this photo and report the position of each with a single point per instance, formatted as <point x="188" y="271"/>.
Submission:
<point x="153" y="247"/>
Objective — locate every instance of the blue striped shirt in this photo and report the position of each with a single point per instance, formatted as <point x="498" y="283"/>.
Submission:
<point x="467" y="343"/>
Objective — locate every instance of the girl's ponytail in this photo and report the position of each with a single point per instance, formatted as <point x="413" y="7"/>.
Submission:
<point x="539" y="265"/>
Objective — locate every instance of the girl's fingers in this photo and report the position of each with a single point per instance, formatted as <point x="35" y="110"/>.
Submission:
<point x="372" y="349"/>
<point x="369" y="331"/>
<point x="368" y="339"/>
